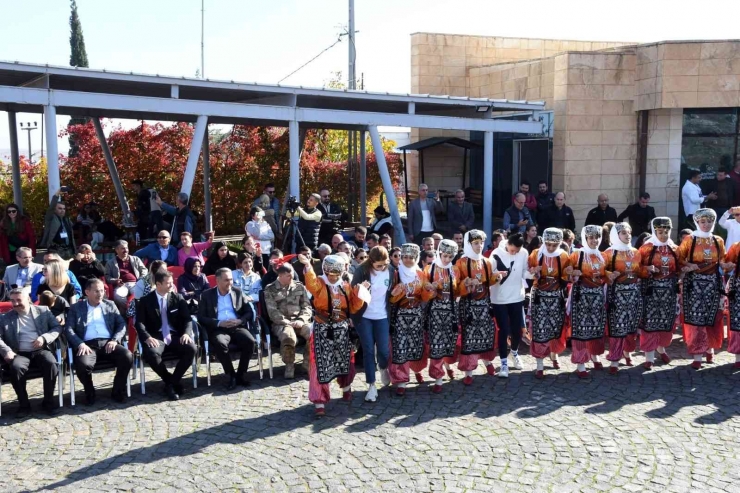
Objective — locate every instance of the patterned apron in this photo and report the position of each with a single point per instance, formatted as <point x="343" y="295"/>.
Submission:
<point x="442" y="328"/>
<point x="660" y="304"/>
<point x="625" y="309"/>
<point x="700" y="299"/>
<point x="588" y="316"/>
<point x="734" y="302"/>
<point x="407" y="339"/>
<point x="332" y="349"/>
<point x="548" y="314"/>
<point x="478" y="331"/>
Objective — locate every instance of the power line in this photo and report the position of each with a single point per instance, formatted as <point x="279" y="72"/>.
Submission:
<point x="339" y="40"/>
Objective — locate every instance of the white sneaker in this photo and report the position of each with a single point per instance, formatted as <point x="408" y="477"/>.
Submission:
<point x="372" y="394"/>
<point x="517" y="362"/>
<point x="385" y="377"/>
<point x="504" y="371"/>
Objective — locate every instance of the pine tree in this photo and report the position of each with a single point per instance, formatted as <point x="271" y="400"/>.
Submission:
<point x="77" y="58"/>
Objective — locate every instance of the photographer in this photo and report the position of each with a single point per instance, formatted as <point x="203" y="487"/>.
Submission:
<point x="309" y="222"/>
<point x="333" y="217"/>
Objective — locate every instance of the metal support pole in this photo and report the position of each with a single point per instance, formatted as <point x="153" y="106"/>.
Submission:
<point x="488" y="183"/>
<point x="15" y="159"/>
<point x="295" y="158"/>
<point x="112" y="170"/>
<point x="405" y="180"/>
<point x="385" y="178"/>
<point x="363" y="180"/>
<point x="195" y="146"/>
<point x="207" y="183"/>
<point x="52" y="162"/>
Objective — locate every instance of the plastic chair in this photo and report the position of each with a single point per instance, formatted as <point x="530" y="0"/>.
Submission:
<point x="5" y="306"/>
<point x="211" y="280"/>
<point x="176" y="271"/>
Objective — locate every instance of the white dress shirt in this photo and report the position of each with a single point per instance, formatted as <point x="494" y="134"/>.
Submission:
<point x="692" y="197"/>
<point x="95" y="327"/>
<point x="733" y="228"/>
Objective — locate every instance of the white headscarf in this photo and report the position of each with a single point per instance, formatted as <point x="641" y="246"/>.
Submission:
<point x="584" y="241"/>
<point x="617" y="244"/>
<point x="698" y="233"/>
<point x="654" y="238"/>
<point x="407" y="274"/>
<point x="542" y="251"/>
<point x="468" y="248"/>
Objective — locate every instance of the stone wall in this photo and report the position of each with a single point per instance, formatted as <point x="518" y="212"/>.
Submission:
<point x="665" y="127"/>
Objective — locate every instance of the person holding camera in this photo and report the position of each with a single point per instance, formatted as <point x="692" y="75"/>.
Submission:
<point x="518" y="217"/>
<point x="58" y="231"/>
<point x="309" y="222"/>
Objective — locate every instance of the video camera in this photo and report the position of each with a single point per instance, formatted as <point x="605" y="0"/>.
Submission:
<point x="292" y="204"/>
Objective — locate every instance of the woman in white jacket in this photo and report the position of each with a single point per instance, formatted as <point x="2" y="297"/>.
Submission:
<point x="507" y="296"/>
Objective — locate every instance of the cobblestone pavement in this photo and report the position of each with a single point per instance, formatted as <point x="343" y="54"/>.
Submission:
<point x="670" y="429"/>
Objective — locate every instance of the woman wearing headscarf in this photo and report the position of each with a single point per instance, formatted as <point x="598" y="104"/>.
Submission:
<point x="624" y="309"/>
<point x="699" y="256"/>
<point x="330" y="347"/>
<point x="476" y="275"/>
<point x="549" y="265"/>
<point x="588" y="301"/>
<point x="16" y="231"/>
<point x="407" y="317"/>
<point x="660" y="258"/>
<point x="192" y="282"/>
<point x="219" y="258"/>
<point x="441" y="321"/>
<point x="382" y="224"/>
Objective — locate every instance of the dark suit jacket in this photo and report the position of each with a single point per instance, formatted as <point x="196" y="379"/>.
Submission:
<point x="598" y="216"/>
<point x="149" y="317"/>
<point x="415" y="218"/>
<point x="46" y="327"/>
<point x="208" y="308"/>
<point x="76" y="323"/>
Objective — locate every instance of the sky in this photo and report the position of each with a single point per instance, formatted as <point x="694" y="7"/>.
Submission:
<point x="263" y="41"/>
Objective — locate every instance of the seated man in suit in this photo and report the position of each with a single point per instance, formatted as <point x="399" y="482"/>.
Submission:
<point x="163" y="323"/>
<point x="25" y="336"/>
<point x="21" y="274"/>
<point x="226" y="314"/>
<point x="95" y="329"/>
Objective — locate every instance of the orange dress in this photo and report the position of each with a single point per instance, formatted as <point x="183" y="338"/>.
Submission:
<point x="703" y="326"/>
<point x="587" y="307"/>
<point x="547" y="305"/>
<point x="733" y="343"/>
<point x="624" y="301"/>
<point x="331" y="354"/>
<point x="442" y="318"/>
<point x="661" y="296"/>
<point x="478" y="330"/>
<point x="407" y="327"/>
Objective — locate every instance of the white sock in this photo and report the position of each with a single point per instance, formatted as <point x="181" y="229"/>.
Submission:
<point x="650" y="356"/>
<point x="439" y="381"/>
<point x="371" y="386"/>
<point x="615" y="364"/>
<point x="402" y="385"/>
<point x="504" y="361"/>
<point x="347" y="388"/>
<point x="697" y="357"/>
<point x="596" y="359"/>
<point x="319" y="406"/>
<point x="711" y="351"/>
<point x="661" y="350"/>
<point x="581" y="366"/>
<point x="447" y="367"/>
<point x="540" y="364"/>
<point x="468" y="373"/>
<point x="626" y="354"/>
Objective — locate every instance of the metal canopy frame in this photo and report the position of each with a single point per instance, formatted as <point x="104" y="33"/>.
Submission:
<point x="70" y="91"/>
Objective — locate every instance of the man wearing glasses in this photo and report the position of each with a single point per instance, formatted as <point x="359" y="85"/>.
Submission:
<point x="161" y="250"/>
<point x="332" y="217"/>
<point x="422" y="215"/>
<point x="20" y="275"/>
<point x="517" y="218"/>
<point x="269" y="190"/>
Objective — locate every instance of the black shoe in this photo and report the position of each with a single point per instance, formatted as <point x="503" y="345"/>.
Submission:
<point x="24" y="409"/>
<point x="90" y="397"/>
<point x="119" y="397"/>
<point x="179" y="389"/>
<point x="170" y="393"/>
<point x="48" y="407"/>
<point x="242" y="382"/>
<point x="232" y="383"/>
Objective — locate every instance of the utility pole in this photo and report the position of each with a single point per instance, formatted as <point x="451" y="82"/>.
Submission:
<point x="28" y="128"/>
<point x="352" y="135"/>
<point x="202" y="39"/>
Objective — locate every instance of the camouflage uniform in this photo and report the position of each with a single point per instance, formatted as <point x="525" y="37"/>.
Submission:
<point x="286" y="305"/>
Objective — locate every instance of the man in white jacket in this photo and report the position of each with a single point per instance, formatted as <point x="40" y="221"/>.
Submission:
<point x="692" y="196"/>
<point x="729" y="221"/>
<point x="507" y="297"/>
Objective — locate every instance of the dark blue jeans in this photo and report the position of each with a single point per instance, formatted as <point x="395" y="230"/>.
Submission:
<point x="374" y="333"/>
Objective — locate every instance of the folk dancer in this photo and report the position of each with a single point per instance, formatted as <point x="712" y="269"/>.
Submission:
<point x="330" y="347"/>
<point x="660" y="258"/>
<point x="407" y="317"/>
<point x="549" y="265"/>
<point x="588" y="301"/>
<point x="700" y="255"/>
<point x="624" y="297"/>
<point x="476" y="275"/>
<point x="733" y="285"/>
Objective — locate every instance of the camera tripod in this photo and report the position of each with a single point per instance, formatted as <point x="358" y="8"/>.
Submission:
<point x="290" y="233"/>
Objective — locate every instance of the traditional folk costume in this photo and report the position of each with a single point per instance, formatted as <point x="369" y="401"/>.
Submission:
<point x="331" y="353"/>
<point x="733" y="294"/>
<point x="660" y="293"/>
<point x="587" y="303"/>
<point x="702" y="290"/>
<point x="624" y="299"/>
<point x="478" y="329"/>
<point x="441" y="318"/>
<point x="407" y="319"/>
<point x="547" y="305"/>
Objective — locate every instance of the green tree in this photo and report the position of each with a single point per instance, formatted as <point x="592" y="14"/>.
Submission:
<point x="77" y="58"/>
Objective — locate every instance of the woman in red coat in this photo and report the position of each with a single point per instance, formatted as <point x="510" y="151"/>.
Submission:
<point x="15" y="231"/>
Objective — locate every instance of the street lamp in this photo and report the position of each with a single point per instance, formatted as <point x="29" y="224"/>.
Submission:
<point x="29" y="128"/>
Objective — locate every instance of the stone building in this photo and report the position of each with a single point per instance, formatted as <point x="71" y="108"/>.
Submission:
<point x="625" y="116"/>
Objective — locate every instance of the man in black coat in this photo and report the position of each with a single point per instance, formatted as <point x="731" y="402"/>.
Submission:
<point x="558" y="215"/>
<point x="227" y="316"/>
<point x="545" y="200"/>
<point x="163" y="323"/>
<point x="332" y="217"/>
<point x="601" y="214"/>
<point x="639" y="215"/>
